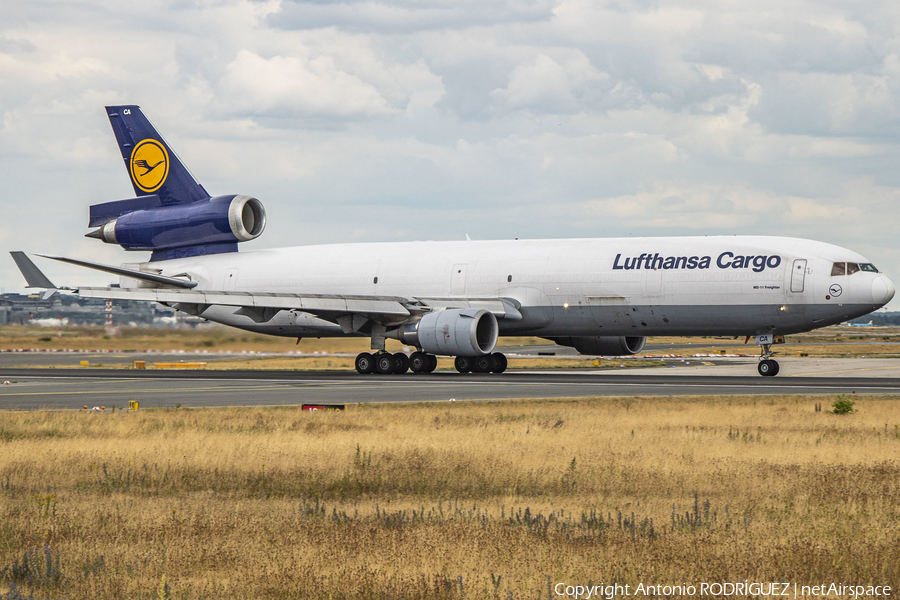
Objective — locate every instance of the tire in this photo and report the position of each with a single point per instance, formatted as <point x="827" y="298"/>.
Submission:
<point x="385" y="363"/>
<point x="767" y="368"/>
<point x="432" y="363"/>
<point x="464" y="364"/>
<point x="777" y="368"/>
<point x="500" y="362"/>
<point x="482" y="364"/>
<point x="365" y="363"/>
<point x="418" y="362"/>
<point x="402" y="363"/>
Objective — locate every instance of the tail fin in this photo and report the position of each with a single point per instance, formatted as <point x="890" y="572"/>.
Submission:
<point x="152" y="166"/>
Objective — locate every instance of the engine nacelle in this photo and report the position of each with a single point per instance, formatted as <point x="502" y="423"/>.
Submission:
<point x="604" y="345"/>
<point x="454" y="332"/>
<point x="220" y="220"/>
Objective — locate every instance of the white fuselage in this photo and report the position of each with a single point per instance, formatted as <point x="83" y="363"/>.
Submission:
<point x="737" y="285"/>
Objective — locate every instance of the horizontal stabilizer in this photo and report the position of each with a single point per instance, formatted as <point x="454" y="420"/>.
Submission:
<point x="33" y="275"/>
<point x="101" y="213"/>
<point x="140" y="275"/>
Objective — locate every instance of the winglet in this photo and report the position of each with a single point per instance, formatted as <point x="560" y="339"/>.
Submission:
<point x="33" y="275"/>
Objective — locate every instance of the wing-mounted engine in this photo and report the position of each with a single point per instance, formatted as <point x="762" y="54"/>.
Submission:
<point x="202" y="227"/>
<point x="603" y="345"/>
<point x="453" y="332"/>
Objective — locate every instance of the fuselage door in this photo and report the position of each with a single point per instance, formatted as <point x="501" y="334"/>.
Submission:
<point x="458" y="280"/>
<point x="653" y="283"/>
<point x="798" y="275"/>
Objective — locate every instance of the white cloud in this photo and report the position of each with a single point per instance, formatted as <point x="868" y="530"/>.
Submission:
<point x="544" y="85"/>
<point x="315" y="85"/>
<point x="404" y="16"/>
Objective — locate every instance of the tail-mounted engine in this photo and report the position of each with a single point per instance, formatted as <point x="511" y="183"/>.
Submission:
<point x="202" y="227"/>
<point x="172" y="216"/>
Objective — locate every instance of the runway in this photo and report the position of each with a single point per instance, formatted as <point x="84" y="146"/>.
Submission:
<point x="30" y="389"/>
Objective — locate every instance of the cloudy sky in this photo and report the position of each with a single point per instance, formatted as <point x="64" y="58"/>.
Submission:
<point x="404" y="120"/>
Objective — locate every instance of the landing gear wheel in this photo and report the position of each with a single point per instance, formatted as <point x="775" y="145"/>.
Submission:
<point x="418" y="362"/>
<point x="432" y="363"/>
<point x="385" y="363"/>
<point x="767" y="368"/>
<point x="402" y="363"/>
<point x="464" y="364"/>
<point x="365" y="363"/>
<point x="483" y="364"/>
<point x="500" y="363"/>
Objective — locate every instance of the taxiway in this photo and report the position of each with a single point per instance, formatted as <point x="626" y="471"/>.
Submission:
<point x="36" y="388"/>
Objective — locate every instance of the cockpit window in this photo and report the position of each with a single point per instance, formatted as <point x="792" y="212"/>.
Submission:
<point x="838" y="269"/>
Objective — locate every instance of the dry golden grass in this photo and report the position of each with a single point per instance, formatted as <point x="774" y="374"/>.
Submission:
<point x="212" y="338"/>
<point x="464" y="500"/>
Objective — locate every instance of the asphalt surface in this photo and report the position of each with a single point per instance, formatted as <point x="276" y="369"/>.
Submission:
<point x="30" y="389"/>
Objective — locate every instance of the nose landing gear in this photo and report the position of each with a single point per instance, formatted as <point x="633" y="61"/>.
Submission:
<point x="767" y="367"/>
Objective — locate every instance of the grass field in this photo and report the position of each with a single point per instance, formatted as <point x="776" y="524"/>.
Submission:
<point x="464" y="500"/>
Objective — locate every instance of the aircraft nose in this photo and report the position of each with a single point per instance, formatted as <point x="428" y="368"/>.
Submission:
<point x="882" y="290"/>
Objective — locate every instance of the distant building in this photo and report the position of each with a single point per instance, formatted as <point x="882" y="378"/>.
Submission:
<point x="19" y="309"/>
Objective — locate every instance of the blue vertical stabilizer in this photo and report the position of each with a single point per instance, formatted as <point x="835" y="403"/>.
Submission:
<point x="152" y="166"/>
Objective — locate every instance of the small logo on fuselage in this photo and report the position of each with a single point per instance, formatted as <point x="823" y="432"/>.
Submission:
<point x="149" y="165"/>
<point x="835" y="290"/>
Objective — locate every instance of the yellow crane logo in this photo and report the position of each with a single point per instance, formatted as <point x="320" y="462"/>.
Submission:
<point x="149" y="165"/>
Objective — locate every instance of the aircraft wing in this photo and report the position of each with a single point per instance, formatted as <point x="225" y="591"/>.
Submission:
<point x="262" y="306"/>
<point x="323" y="305"/>
<point x="312" y="303"/>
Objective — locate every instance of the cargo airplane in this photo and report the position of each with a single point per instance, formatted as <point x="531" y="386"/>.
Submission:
<point x="601" y="296"/>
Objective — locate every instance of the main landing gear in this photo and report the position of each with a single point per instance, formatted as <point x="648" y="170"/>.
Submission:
<point x="385" y="363"/>
<point x="489" y="363"/>
<point x="767" y="367"/>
